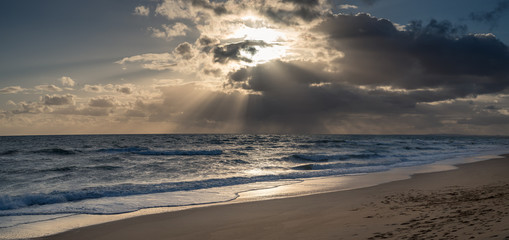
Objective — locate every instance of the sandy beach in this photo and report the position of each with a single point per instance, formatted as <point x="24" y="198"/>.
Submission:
<point x="471" y="202"/>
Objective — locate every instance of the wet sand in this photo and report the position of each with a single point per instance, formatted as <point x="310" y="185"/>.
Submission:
<point x="471" y="202"/>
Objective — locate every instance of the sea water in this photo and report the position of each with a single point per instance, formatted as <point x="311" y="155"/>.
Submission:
<point x="46" y="177"/>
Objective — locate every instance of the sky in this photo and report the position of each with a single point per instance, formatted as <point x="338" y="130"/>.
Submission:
<point x="254" y="66"/>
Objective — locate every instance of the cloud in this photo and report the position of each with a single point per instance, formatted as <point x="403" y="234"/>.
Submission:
<point x="206" y="41"/>
<point x="385" y="73"/>
<point x="50" y="100"/>
<point x="67" y="81"/>
<point x="347" y="6"/>
<point x="202" y="58"/>
<point x="125" y="90"/>
<point x="134" y="113"/>
<point x="11" y="90"/>
<point x="304" y="2"/>
<point x="152" y="61"/>
<point x="28" y="108"/>
<point x="141" y="11"/>
<point x="175" y="9"/>
<point x="218" y="40"/>
<point x="485" y="120"/>
<point x="99" y="88"/>
<point x="93" y="88"/>
<point x="217" y="8"/>
<point x="289" y="12"/>
<point x="430" y="56"/>
<point x="102" y="102"/>
<point x="48" y="88"/>
<point x="155" y="57"/>
<point x="169" y="32"/>
<point x="157" y="33"/>
<point x="191" y="107"/>
<point x="491" y="17"/>
<point x="185" y="50"/>
<point x="292" y="16"/>
<point x="86" y="111"/>
<point x="213" y="72"/>
<point x="238" y="51"/>
<point x="337" y="74"/>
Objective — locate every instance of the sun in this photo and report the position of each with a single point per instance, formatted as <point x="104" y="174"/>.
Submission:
<point x="274" y="38"/>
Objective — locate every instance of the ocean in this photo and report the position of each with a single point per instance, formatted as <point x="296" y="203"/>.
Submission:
<point x="46" y="176"/>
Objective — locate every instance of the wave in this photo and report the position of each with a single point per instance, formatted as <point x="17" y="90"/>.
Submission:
<point x="75" y="168"/>
<point x="421" y="148"/>
<point x="235" y="162"/>
<point x="124" y="150"/>
<point x="9" y="204"/>
<point x="106" y="167"/>
<point x="182" y="152"/>
<point x="54" y="151"/>
<point x="327" y="157"/>
<point x="9" y="152"/>
<point x="60" y="169"/>
<point x="325" y="141"/>
<point x="303" y="167"/>
<point x="148" y="151"/>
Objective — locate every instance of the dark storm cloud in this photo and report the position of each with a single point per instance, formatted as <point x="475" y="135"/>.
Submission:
<point x="233" y="51"/>
<point x="491" y="17"/>
<point x="294" y="98"/>
<point x="385" y="73"/>
<point x="432" y="56"/>
<point x="263" y="77"/>
<point x="287" y="103"/>
<point x="435" y="28"/>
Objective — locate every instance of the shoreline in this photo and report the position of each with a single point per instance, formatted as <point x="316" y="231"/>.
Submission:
<point x="297" y="217"/>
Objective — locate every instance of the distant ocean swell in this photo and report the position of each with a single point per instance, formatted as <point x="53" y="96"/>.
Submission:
<point x="132" y="150"/>
<point x="148" y="151"/>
